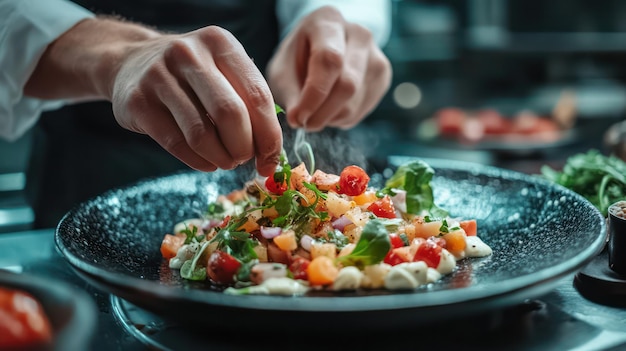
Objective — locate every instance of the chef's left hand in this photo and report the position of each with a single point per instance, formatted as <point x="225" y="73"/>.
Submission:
<point x="328" y="72"/>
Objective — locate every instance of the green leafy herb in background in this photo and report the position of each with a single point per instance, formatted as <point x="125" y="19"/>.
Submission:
<point x="600" y="179"/>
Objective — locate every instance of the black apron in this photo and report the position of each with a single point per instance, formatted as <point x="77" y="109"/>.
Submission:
<point x="80" y="151"/>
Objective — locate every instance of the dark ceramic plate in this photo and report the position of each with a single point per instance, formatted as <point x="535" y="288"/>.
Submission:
<point x="71" y="312"/>
<point x="539" y="233"/>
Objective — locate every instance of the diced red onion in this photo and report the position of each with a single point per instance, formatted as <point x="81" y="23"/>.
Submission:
<point x="341" y="222"/>
<point x="270" y="232"/>
<point x="306" y="241"/>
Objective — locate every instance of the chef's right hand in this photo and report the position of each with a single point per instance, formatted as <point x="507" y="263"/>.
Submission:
<point x="201" y="98"/>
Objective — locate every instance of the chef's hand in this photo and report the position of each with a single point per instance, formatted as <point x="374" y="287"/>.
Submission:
<point x="328" y="72"/>
<point x="201" y="98"/>
<point x="197" y="94"/>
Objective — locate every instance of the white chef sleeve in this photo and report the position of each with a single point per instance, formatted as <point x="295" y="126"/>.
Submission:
<point x="26" y="29"/>
<point x="374" y="15"/>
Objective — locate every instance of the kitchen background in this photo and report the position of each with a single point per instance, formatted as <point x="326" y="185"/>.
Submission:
<point x="545" y="57"/>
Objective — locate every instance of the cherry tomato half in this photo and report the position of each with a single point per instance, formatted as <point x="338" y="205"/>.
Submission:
<point x="222" y="267"/>
<point x="383" y="208"/>
<point x="276" y="186"/>
<point x="353" y="181"/>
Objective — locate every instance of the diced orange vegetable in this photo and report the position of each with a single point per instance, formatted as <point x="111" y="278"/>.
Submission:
<point x="455" y="242"/>
<point x="249" y="226"/>
<point x="286" y="241"/>
<point x="322" y="271"/>
<point x="366" y="198"/>
<point x="470" y="226"/>
<point x="171" y="244"/>
<point x="270" y="212"/>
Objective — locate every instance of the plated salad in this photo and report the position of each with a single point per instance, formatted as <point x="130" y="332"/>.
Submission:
<point x="296" y="231"/>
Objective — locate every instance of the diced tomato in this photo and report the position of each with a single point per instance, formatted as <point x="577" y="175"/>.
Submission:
<point x="23" y="322"/>
<point x="224" y="222"/>
<point x="429" y="252"/>
<point x="276" y="184"/>
<point x="469" y="226"/>
<point x="396" y="240"/>
<point x="353" y="181"/>
<point x="392" y="257"/>
<point x="383" y="208"/>
<point x="298" y="268"/>
<point x="171" y="244"/>
<point x="493" y="122"/>
<point x="222" y="267"/>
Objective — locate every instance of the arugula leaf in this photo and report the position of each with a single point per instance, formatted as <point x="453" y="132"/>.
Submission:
<point x="414" y="177"/>
<point x="372" y="247"/>
<point x="598" y="178"/>
<point x="191" y="234"/>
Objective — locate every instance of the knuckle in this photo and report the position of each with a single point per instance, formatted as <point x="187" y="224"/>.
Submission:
<point x="258" y="96"/>
<point x="329" y="58"/>
<point x="349" y="84"/>
<point x="178" y="49"/>
<point x="380" y="66"/>
<point x="227" y="107"/>
<point x="215" y="35"/>
<point x="195" y="135"/>
<point x="360" y="31"/>
<point x="172" y="142"/>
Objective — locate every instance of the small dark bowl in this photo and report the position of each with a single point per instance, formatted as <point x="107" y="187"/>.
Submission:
<point x="71" y="312"/>
<point x="617" y="237"/>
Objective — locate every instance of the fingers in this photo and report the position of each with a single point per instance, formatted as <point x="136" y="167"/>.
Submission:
<point x="200" y="96"/>
<point x="324" y="66"/>
<point x="329" y="71"/>
<point x="165" y="131"/>
<point x="349" y="90"/>
<point x="250" y="85"/>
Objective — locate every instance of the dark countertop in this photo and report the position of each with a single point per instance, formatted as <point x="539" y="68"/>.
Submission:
<point x="562" y="319"/>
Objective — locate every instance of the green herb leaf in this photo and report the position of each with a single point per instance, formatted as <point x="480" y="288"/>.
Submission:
<point x="372" y="247"/>
<point x="414" y="177"/>
<point x="598" y="178"/>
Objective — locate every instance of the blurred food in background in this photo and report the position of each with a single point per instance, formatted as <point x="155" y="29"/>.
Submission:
<point x="489" y="126"/>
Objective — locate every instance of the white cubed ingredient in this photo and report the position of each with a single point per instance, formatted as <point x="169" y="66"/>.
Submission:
<point x="476" y="247"/>
<point x="374" y="276"/>
<point x="265" y="270"/>
<point x="432" y="275"/>
<point x="349" y="278"/>
<point x="400" y="279"/>
<point x="447" y="262"/>
<point x="399" y="274"/>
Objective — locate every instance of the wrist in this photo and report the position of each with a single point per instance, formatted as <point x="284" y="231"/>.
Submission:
<point x="86" y="59"/>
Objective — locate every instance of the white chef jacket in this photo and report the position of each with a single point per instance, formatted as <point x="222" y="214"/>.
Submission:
<point x="29" y="26"/>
